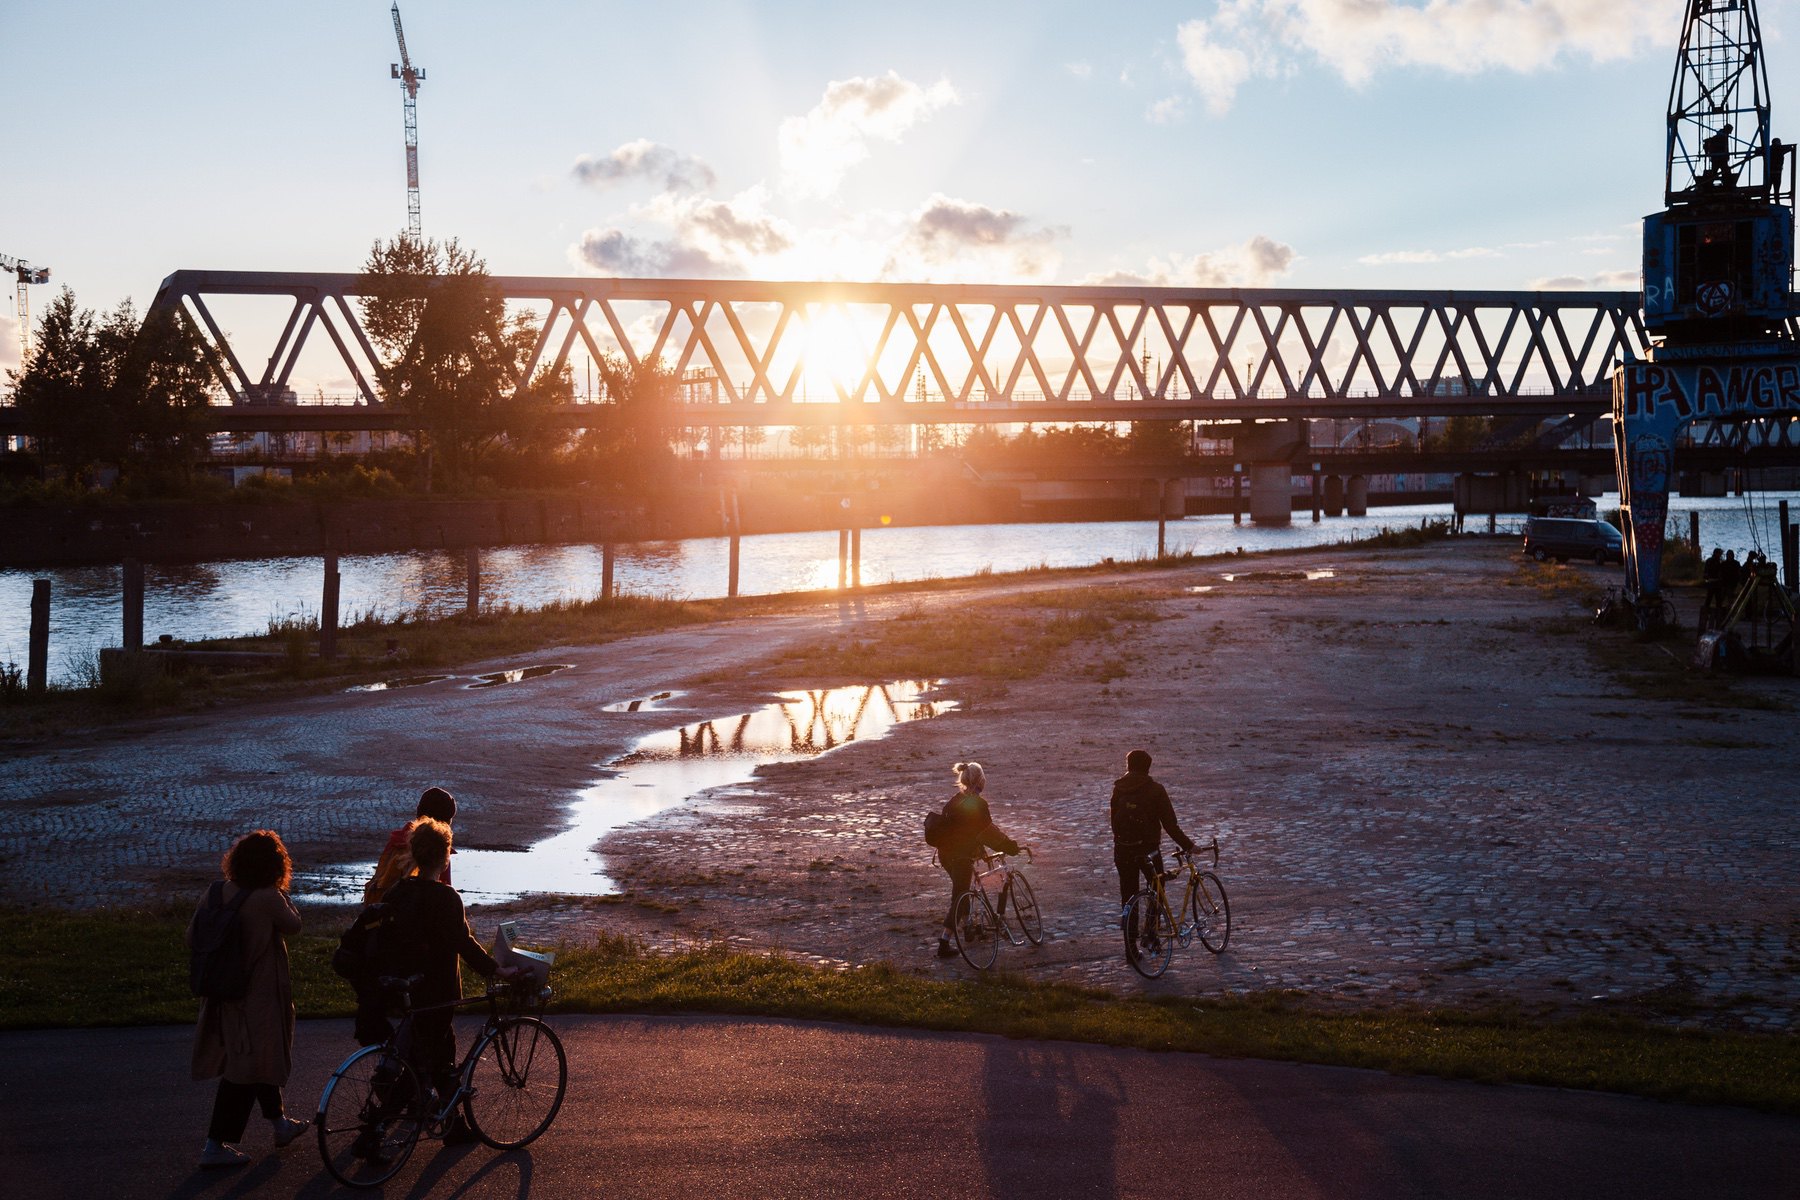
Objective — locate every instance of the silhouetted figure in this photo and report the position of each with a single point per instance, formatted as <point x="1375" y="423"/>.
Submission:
<point x="1731" y="576"/>
<point x="1712" y="575"/>
<point x="425" y="933"/>
<point x="396" y="862"/>
<point x="968" y="828"/>
<point x="1718" y="154"/>
<point x="1141" y="813"/>
<point x="248" y="1044"/>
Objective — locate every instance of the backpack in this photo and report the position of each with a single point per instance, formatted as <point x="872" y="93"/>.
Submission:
<point x="357" y="958"/>
<point x="936" y="826"/>
<point x="217" y="969"/>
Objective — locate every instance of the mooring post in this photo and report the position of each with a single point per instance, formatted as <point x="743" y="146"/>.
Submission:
<point x="1237" y="493"/>
<point x="37" y="660"/>
<point x="843" y="557"/>
<point x="1694" y="530"/>
<point x="731" y="589"/>
<point x="1787" y="557"/>
<point x="855" y="555"/>
<point x="134" y="604"/>
<point x="328" y="609"/>
<point x="1318" y="498"/>
<point x="606" y="570"/>
<point x="473" y="607"/>
<point x="1790" y="556"/>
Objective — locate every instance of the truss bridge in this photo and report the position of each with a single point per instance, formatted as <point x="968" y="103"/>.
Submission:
<point x="774" y="353"/>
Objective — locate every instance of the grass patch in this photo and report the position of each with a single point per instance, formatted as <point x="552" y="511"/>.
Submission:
<point x="66" y="969"/>
<point x="1013" y="637"/>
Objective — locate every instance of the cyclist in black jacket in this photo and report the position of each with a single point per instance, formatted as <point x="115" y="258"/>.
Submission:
<point x="1140" y="813"/>
<point x="968" y="830"/>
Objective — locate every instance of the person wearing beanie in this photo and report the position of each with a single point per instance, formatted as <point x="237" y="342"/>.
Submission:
<point x="1141" y="812"/>
<point x="396" y="861"/>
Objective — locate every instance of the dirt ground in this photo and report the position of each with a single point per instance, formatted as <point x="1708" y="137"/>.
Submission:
<point x="1425" y="784"/>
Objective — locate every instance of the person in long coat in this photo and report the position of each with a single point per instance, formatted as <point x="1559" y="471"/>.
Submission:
<point x="248" y="1044"/>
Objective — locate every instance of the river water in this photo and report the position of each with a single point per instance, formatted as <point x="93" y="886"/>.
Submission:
<point x="220" y="599"/>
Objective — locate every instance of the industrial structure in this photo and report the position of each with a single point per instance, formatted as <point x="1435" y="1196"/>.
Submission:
<point x="1718" y="299"/>
<point x="25" y="274"/>
<point x="410" y="77"/>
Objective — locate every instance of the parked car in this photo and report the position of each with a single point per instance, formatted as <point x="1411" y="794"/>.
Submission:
<point x="1563" y="538"/>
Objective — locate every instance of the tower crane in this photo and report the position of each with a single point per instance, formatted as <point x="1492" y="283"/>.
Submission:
<point x="410" y="77"/>
<point x="25" y="273"/>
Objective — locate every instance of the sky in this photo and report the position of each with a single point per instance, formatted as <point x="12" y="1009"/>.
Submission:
<point x="1468" y="144"/>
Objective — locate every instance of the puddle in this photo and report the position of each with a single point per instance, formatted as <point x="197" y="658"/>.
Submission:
<point x="388" y="685"/>
<point x="661" y="771"/>
<point x="1276" y="576"/>
<point x="1198" y="589"/>
<point x="496" y="678"/>
<point x="647" y="704"/>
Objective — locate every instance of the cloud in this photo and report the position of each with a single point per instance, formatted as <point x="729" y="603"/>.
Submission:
<point x="1357" y="39"/>
<point x="1605" y="281"/>
<point x="1166" y="111"/>
<point x="819" y="148"/>
<point x="1080" y="70"/>
<point x="950" y="238"/>
<point x="668" y="168"/>
<point x="1255" y="263"/>
<point x="706" y="238"/>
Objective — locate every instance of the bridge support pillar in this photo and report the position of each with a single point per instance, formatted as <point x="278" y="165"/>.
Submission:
<point x="1356" y="496"/>
<point x="1334" y="495"/>
<point x="1271" y="493"/>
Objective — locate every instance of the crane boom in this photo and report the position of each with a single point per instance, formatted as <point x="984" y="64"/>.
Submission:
<point x="410" y="77"/>
<point x="26" y="274"/>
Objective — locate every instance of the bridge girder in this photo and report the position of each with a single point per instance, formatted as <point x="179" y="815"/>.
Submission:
<point x="945" y="353"/>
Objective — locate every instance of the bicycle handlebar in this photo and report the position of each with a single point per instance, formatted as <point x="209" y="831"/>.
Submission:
<point x="1213" y="846"/>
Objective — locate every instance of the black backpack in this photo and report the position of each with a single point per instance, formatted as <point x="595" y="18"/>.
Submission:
<point x="217" y="968"/>
<point x="358" y="955"/>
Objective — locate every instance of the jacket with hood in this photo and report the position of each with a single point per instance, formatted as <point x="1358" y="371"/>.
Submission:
<point x="1140" y="813"/>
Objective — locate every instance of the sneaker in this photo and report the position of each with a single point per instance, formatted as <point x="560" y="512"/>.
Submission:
<point x="217" y="1155"/>
<point x="287" y="1129"/>
<point x="945" y="949"/>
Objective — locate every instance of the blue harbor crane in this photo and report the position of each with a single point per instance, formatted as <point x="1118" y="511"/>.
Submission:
<point x="1718" y="288"/>
<point x="410" y="78"/>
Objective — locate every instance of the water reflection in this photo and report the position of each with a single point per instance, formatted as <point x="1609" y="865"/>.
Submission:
<point x="664" y="770"/>
<point x="644" y="704"/>
<point x="388" y="685"/>
<point x="517" y="674"/>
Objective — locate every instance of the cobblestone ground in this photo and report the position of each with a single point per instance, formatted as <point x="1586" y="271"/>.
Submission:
<point x="1426" y="788"/>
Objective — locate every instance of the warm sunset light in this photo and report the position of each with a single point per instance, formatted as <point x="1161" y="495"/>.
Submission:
<point x="1006" y="599"/>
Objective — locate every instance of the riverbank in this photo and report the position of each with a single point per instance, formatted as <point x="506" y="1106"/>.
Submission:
<point x="1434" y="782"/>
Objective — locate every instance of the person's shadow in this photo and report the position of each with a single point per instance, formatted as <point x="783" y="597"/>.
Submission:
<point x="1048" y="1128"/>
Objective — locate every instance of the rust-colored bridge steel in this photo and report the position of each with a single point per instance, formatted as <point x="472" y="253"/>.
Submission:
<point x="772" y="353"/>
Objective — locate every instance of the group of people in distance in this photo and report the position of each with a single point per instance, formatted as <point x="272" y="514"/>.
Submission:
<point x="1722" y="574"/>
<point x="1140" y="813"/>
<point x="248" y="1044"/>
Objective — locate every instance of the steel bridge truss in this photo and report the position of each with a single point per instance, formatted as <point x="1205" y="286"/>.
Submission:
<point x="767" y="353"/>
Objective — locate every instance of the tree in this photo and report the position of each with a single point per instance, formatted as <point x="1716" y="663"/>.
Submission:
<point x="631" y="430"/>
<point x="449" y="354"/>
<point x="116" y="390"/>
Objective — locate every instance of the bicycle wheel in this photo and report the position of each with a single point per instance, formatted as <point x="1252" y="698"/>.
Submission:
<point x="517" y="1076"/>
<point x="370" y="1117"/>
<point x="1149" y="934"/>
<point x="977" y="930"/>
<point x="1025" y="910"/>
<point x="1209" y="912"/>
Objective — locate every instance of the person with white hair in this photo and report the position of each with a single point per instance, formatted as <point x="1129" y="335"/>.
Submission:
<point x="964" y="829"/>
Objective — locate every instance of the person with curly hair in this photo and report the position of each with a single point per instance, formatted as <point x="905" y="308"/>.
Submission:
<point x="248" y="1044"/>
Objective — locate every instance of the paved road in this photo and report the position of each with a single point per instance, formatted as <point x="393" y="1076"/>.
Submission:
<point x="725" y="1107"/>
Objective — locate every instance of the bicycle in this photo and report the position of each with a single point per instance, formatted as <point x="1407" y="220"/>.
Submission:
<point x="1149" y="924"/>
<point x="510" y="1086"/>
<point x="980" y="922"/>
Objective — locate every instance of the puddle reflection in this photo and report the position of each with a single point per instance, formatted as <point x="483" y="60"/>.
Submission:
<point x="662" y="771"/>
<point x="647" y="704"/>
<point x="496" y="678"/>
<point x="388" y="685"/>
